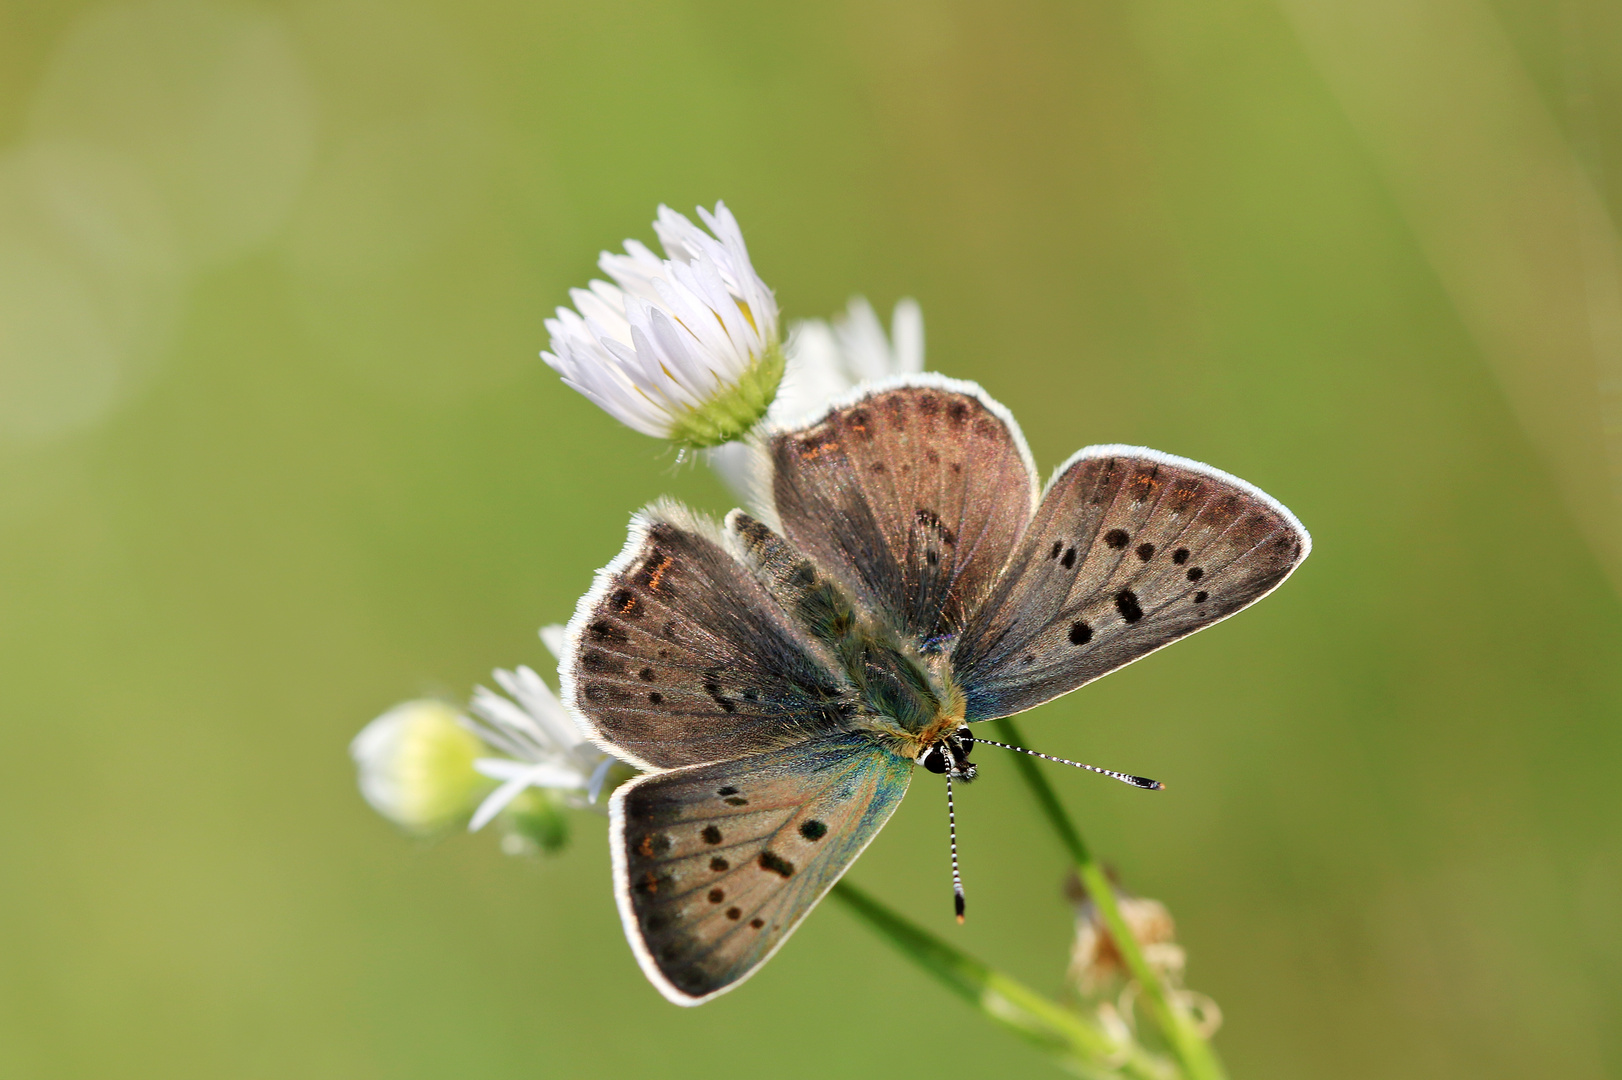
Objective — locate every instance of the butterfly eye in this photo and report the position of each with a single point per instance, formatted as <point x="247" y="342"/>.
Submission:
<point x="934" y="760"/>
<point x="959" y="746"/>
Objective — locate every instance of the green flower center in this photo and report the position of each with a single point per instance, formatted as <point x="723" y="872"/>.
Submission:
<point x="735" y="408"/>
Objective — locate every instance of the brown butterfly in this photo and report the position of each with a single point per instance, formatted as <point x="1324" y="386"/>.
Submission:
<point x="779" y="676"/>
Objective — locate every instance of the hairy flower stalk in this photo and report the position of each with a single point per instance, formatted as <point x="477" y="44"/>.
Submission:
<point x="1084" y="1046"/>
<point x="1098" y="972"/>
<point x="684" y="348"/>
<point x="1180" y="1027"/>
<point x="1096" y="965"/>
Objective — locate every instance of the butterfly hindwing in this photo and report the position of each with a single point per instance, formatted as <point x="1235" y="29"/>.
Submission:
<point x="912" y="495"/>
<point x="678" y="655"/>
<point x="1129" y="550"/>
<point x="715" y="865"/>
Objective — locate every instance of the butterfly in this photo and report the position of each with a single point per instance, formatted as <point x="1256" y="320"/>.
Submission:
<point x="778" y="677"/>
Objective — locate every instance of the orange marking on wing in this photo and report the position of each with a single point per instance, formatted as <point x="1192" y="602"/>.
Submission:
<point x="659" y="573"/>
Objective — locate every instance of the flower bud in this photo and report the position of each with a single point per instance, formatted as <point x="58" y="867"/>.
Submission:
<point x="416" y="766"/>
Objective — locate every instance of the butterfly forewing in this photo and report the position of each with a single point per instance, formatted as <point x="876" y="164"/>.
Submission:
<point x="678" y="656"/>
<point x="717" y="864"/>
<point x="913" y="496"/>
<point x="1130" y="550"/>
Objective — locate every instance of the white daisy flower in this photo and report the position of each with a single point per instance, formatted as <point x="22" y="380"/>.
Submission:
<point x="540" y="744"/>
<point x="427" y="766"/>
<point x="824" y="361"/>
<point x="827" y="359"/>
<point x="416" y="766"/>
<point x="684" y="348"/>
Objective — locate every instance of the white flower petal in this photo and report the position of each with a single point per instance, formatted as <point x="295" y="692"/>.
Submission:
<point x="542" y="775"/>
<point x="861" y="339"/>
<point x="671" y="335"/>
<point x="594" y="786"/>
<point x="907" y="336"/>
<point x="496" y="802"/>
<point x="556" y="638"/>
<point x="823" y="362"/>
<point x="503" y="713"/>
<point x="541" y="704"/>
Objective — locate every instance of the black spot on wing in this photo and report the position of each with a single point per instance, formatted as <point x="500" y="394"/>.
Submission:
<point x="1126" y="602"/>
<point x="712" y="687"/>
<point x="1117" y="538"/>
<point x="597" y="660"/>
<point x="776" y="864"/>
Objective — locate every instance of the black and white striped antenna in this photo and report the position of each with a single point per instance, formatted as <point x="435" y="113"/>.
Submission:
<point x="1125" y="778"/>
<point x="958" y="900"/>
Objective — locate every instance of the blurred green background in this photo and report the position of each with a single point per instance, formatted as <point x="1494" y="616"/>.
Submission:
<point x="276" y="452"/>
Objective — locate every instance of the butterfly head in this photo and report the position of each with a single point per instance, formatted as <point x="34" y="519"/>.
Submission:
<point x="950" y="755"/>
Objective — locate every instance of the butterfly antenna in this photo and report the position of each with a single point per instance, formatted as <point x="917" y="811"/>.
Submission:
<point x="958" y="902"/>
<point x="1125" y="778"/>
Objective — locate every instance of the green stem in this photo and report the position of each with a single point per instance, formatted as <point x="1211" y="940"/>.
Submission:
<point x="1082" y="1046"/>
<point x="1198" y="1059"/>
